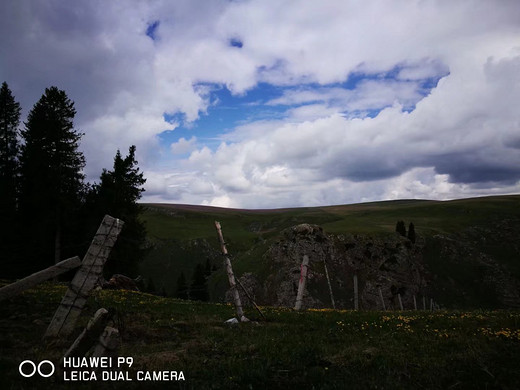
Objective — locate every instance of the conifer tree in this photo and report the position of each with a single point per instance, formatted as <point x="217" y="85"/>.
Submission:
<point x="411" y="232"/>
<point x="199" y="287"/>
<point x="117" y="195"/>
<point x="9" y="171"/>
<point x="9" y="150"/>
<point x="52" y="174"/>
<point x="401" y="228"/>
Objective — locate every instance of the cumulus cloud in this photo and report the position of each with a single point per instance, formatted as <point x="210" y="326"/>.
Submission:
<point x="432" y="115"/>
<point x="368" y="95"/>
<point x="183" y="146"/>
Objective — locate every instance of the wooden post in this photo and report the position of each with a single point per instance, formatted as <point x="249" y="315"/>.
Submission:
<point x="400" y="302"/>
<point x="414" y="303"/>
<point x="356" y="296"/>
<point x="382" y="300"/>
<point x="90" y="334"/>
<point x="431" y="304"/>
<point x="301" y="284"/>
<point x="250" y="298"/>
<point x="84" y="281"/>
<point x="330" y="286"/>
<point x="108" y="343"/>
<point x="424" y="302"/>
<point x="38" y="277"/>
<point x="231" y="276"/>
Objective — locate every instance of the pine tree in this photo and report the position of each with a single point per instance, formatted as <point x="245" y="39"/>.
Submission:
<point x="199" y="287"/>
<point x="9" y="150"/>
<point x="9" y="170"/>
<point x="400" y="228"/>
<point x="182" y="287"/>
<point x="52" y="179"/>
<point x="411" y="232"/>
<point x="117" y="195"/>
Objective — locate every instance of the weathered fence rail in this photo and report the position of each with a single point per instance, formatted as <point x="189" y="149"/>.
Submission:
<point x="85" y="279"/>
<point x="231" y="276"/>
<point x="26" y="283"/>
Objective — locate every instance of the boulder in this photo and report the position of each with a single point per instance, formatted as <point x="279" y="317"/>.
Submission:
<point x="121" y="282"/>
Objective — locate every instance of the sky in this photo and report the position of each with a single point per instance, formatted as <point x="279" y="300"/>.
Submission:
<point x="269" y="104"/>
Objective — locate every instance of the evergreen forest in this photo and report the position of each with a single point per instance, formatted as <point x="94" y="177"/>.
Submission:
<point x="48" y="211"/>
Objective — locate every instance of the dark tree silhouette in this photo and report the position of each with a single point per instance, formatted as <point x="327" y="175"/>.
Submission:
<point x="400" y="228"/>
<point x="51" y="176"/>
<point x="411" y="232"/>
<point x="117" y="195"/>
<point x="199" y="287"/>
<point x="9" y="172"/>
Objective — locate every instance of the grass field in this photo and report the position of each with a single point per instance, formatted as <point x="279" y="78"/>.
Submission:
<point x="163" y="221"/>
<point x="183" y="236"/>
<point x="321" y="349"/>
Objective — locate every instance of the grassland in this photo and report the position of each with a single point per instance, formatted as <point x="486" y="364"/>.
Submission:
<point x="182" y="223"/>
<point x="320" y="349"/>
<point x="183" y="236"/>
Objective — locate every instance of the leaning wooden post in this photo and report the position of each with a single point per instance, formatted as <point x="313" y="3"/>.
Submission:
<point x="92" y="332"/>
<point x="400" y="302"/>
<point x="356" y="296"/>
<point x="38" y="277"/>
<point x="414" y="303"/>
<point x="108" y="343"/>
<point x="86" y="277"/>
<point x="382" y="300"/>
<point x="231" y="276"/>
<point x="330" y="286"/>
<point x="301" y="284"/>
<point x="250" y="298"/>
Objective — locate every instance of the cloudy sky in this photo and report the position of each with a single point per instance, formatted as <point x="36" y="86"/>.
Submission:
<point x="268" y="103"/>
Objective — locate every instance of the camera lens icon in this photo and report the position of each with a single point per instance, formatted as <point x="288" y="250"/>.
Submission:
<point x="27" y="372"/>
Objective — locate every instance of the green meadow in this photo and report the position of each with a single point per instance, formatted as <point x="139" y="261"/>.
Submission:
<point x="312" y="349"/>
<point x="459" y="348"/>
<point x="182" y="236"/>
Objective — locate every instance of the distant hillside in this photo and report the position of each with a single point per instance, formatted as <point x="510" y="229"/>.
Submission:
<point x="467" y="252"/>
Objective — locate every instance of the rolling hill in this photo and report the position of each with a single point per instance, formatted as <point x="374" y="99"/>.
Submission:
<point x="467" y="252"/>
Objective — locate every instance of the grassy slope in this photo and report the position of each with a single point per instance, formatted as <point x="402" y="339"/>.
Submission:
<point x="249" y="232"/>
<point x="310" y="349"/>
<point x="168" y="221"/>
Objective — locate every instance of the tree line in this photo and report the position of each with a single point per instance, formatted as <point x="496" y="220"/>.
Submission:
<point x="48" y="212"/>
<point x="401" y="229"/>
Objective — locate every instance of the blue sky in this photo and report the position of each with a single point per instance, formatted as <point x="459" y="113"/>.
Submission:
<point x="263" y="104"/>
<point x="226" y="111"/>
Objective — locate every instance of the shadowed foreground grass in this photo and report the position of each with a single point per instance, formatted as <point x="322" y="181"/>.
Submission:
<point x="320" y="349"/>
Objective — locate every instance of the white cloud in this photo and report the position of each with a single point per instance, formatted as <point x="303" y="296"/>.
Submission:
<point x="368" y="95"/>
<point x="221" y="201"/>
<point x="427" y="68"/>
<point x="447" y="147"/>
<point x="459" y="137"/>
<point x="183" y="146"/>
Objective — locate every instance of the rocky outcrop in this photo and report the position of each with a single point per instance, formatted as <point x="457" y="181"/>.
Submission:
<point x="121" y="282"/>
<point x="390" y="263"/>
<point x="465" y="267"/>
<point x="463" y="270"/>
